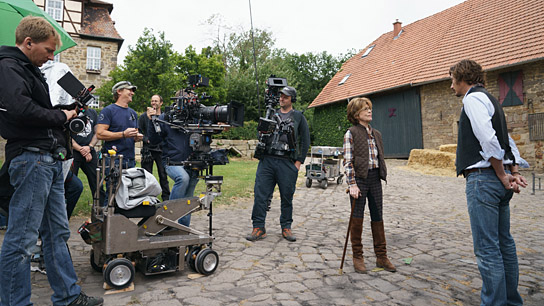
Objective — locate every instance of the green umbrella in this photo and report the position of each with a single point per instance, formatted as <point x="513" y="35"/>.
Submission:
<point x="11" y="13"/>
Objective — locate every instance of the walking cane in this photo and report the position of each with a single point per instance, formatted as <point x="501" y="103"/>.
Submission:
<point x="347" y="235"/>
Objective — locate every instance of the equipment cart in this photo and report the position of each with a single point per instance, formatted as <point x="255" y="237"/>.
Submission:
<point x="324" y="166"/>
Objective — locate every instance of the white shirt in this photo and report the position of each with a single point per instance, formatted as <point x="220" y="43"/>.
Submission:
<point x="479" y="110"/>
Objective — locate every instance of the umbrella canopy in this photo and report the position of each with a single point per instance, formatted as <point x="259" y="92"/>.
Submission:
<point x="11" y="13"/>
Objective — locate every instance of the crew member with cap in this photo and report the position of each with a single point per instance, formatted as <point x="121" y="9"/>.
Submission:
<point x="118" y="124"/>
<point x="280" y="169"/>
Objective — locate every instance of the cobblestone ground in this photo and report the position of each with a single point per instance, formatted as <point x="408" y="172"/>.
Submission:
<point x="425" y="219"/>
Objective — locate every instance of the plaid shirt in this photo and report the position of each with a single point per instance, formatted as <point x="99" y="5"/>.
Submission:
<point x="348" y="155"/>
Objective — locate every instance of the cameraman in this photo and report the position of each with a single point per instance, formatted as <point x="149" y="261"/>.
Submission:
<point x="281" y="170"/>
<point x="152" y="153"/>
<point x="36" y="144"/>
<point x="175" y="150"/>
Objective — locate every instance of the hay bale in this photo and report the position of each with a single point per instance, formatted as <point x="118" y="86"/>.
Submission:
<point x="432" y="158"/>
<point x="452" y="148"/>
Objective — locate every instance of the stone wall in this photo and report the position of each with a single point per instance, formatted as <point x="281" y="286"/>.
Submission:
<point x="440" y="111"/>
<point x="76" y="59"/>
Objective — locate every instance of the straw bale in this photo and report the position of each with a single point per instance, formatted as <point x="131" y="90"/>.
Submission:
<point x="433" y="158"/>
<point x="452" y="148"/>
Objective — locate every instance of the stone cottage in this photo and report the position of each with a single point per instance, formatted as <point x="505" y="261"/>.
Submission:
<point x="405" y="73"/>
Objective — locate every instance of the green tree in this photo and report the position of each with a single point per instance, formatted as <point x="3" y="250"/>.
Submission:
<point x="150" y="65"/>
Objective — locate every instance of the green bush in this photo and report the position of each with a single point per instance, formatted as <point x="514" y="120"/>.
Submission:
<point x="330" y="125"/>
<point x="247" y="132"/>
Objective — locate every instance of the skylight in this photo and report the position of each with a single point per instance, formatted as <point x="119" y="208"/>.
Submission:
<point x="368" y="50"/>
<point x="344" y="79"/>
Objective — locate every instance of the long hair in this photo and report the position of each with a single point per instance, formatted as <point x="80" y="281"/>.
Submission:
<point x="469" y="71"/>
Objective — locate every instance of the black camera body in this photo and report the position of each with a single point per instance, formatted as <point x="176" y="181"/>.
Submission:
<point x="201" y="122"/>
<point x="82" y="97"/>
<point x="276" y="136"/>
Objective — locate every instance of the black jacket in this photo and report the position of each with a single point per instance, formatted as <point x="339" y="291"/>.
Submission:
<point x="30" y="119"/>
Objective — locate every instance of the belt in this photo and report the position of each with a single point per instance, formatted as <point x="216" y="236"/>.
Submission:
<point x="58" y="155"/>
<point x="479" y="170"/>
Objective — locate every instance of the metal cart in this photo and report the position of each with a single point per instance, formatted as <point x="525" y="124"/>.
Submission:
<point x="324" y="166"/>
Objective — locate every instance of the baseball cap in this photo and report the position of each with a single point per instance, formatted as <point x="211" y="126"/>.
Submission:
<point x="289" y="91"/>
<point x="123" y="85"/>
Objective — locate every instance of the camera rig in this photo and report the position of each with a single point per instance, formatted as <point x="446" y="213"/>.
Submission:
<point x="276" y="135"/>
<point x="188" y="114"/>
<point x="82" y="96"/>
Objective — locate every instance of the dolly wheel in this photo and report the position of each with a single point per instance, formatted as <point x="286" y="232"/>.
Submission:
<point x="324" y="183"/>
<point x="339" y="181"/>
<point x="119" y="273"/>
<point x="308" y="182"/>
<point x="207" y="261"/>
<point x="190" y="257"/>
<point x="93" y="265"/>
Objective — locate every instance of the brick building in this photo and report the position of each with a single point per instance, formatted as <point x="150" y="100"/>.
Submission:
<point x="405" y="73"/>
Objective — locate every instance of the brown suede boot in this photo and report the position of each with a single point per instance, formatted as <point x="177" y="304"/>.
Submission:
<point x="380" y="247"/>
<point x="356" y="232"/>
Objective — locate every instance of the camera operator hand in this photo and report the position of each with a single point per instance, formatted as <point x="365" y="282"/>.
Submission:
<point x="69" y="114"/>
<point x="151" y="112"/>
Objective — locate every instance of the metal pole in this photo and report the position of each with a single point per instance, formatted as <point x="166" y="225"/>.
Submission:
<point x="254" y="58"/>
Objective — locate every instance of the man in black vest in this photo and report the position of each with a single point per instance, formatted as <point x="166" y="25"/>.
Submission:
<point x="487" y="157"/>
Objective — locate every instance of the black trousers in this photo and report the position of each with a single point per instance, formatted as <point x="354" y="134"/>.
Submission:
<point x="370" y="188"/>
<point x="163" y="178"/>
<point x="89" y="168"/>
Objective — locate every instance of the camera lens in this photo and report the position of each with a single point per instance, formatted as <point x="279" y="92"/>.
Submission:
<point x="76" y="125"/>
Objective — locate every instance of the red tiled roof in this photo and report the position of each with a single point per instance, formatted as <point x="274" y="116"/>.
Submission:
<point x="495" y="33"/>
<point x="97" y="22"/>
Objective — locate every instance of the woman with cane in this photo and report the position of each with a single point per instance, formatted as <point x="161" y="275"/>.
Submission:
<point x="364" y="166"/>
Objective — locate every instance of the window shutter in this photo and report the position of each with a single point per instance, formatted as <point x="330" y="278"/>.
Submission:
<point x="511" y="88"/>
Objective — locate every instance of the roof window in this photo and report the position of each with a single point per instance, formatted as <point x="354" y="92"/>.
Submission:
<point x="344" y="79"/>
<point x="368" y="51"/>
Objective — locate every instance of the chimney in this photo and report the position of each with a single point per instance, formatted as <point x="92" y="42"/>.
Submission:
<point x="397" y="27"/>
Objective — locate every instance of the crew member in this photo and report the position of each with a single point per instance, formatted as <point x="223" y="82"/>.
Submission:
<point x="488" y="159"/>
<point x="365" y="167"/>
<point x="175" y="148"/>
<point x="281" y="169"/>
<point x="36" y="144"/>
<point x="152" y="153"/>
<point x="118" y="124"/>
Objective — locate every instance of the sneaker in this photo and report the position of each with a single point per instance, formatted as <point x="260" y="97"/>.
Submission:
<point x="258" y="233"/>
<point x="85" y="300"/>
<point x="288" y="235"/>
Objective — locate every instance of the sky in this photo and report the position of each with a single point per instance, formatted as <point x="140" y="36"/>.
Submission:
<point x="299" y="26"/>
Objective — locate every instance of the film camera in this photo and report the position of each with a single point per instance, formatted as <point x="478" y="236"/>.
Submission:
<point x="201" y="122"/>
<point x="276" y="136"/>
<point x="82" y="96"/>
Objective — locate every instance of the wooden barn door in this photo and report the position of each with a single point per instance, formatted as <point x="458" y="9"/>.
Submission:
<point x="398" y="117"/>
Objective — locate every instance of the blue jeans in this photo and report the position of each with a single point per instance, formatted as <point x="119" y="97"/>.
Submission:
<point x="184" y="186"/>
<point x="37" y="205"/>
<point x="495" y="249"/>
<point x="272" y="171"/>
<point x="73" y="187"/>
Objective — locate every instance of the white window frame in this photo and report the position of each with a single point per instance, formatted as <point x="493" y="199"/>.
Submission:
<point x="344" y="79"/>
<point x="368" y="51"/>
<point x="51" y="7"/>
<point x="94" y="55"/>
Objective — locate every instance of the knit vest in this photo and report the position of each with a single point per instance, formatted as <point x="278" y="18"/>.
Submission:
<point x="468" y="146"/>
<point x="360" y="151"/>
